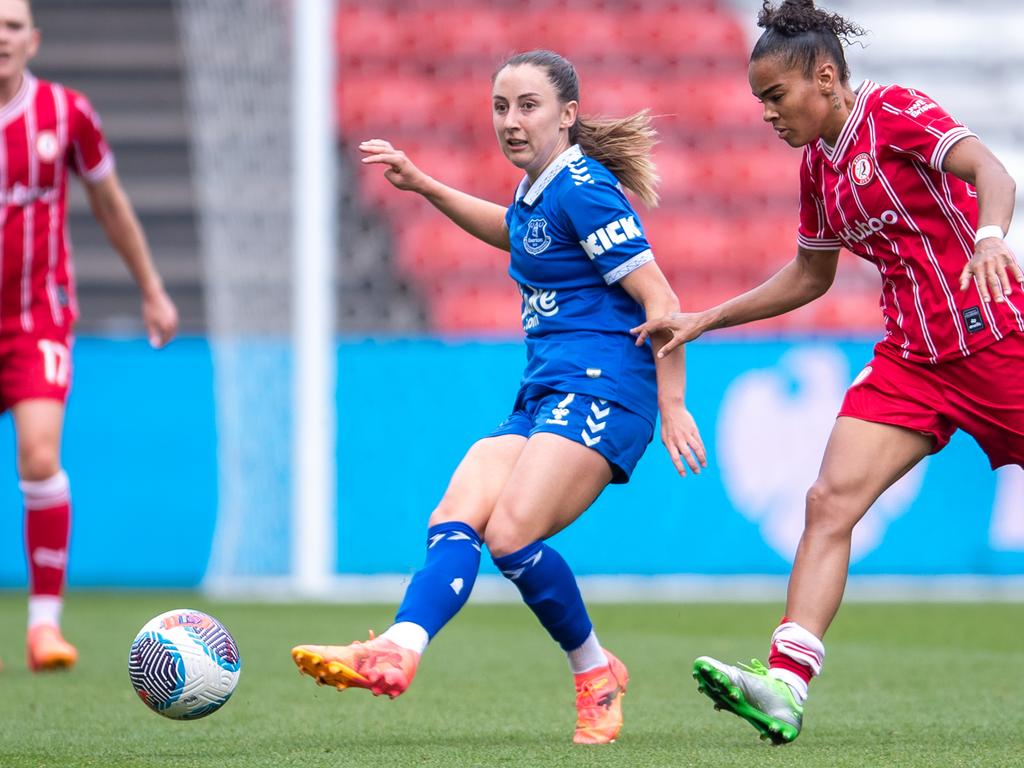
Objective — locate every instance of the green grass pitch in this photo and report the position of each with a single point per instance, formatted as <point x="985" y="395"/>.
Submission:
<point x="904" y="685"/>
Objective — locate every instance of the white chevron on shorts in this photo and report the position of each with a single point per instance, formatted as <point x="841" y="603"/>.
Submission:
<point x="591" y="438"/>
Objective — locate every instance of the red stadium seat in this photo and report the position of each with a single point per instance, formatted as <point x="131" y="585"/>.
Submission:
<point x="362" y="29"/>
<point x="422" y="103"/>
<point x="575" y="32"/>
<point x="737" y="172"/>
<point x="848" y="311"/>
<point x="428" y="31"/>
<point x="686" y="240"/>
<point x="365" y="104"/>
<point x="431" y="249"/>
<point x="719" y="101"/>
<point x="687" y="32"/>
<point x="476" y="308"/>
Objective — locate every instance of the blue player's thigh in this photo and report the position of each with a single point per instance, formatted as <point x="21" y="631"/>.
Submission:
<point x="603" y="426"/>
<point x="478" y="481"/>
<point x="553" y="482"/>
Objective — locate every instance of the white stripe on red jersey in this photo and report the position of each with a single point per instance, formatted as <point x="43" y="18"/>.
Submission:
<point x="882" y="194"/>
<point x="45" y="130"/>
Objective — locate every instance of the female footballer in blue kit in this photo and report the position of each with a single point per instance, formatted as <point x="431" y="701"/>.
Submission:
<point x="588" y="399"/>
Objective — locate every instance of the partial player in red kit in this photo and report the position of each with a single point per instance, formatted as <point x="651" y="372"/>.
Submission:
<point x="887" y="174"/>
<point x="45" y="131"/>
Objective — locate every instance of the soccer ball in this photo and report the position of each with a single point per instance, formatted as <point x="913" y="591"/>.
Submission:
<point x="184" y="664"/>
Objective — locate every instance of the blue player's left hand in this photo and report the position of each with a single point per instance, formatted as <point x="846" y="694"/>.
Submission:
<point x="682" y="439"/>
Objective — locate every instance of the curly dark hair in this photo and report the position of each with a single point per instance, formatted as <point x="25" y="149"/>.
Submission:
<point x="801" y="34"/>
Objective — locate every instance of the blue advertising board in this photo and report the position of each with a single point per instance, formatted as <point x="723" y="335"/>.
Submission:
<point x="141" y="450"/>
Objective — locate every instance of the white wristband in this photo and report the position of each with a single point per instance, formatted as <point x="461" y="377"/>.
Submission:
<point x="989" y="230"/>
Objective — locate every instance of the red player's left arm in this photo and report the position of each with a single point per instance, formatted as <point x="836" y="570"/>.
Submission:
<point x="114" y="212"/>
<point x="993" y="263"/>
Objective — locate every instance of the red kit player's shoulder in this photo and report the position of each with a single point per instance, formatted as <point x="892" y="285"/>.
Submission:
<point x="51" y="92"/>
<point x="911" y="102"/>
<point x="78" y="104"/>
<point x="50" y="88"/>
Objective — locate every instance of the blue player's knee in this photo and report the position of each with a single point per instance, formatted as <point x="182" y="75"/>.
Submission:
<point x="510" y="529"/>
<point x="504" y="540"/>
<point x="475" y="513"/>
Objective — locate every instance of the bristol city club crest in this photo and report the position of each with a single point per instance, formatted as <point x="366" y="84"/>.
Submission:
<point x="47" y="146"/>
<point x="536" y="239"/>
<point x="862" y="169"/>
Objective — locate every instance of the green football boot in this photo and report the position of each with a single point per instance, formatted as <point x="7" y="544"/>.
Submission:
<point x="749" y="692"/>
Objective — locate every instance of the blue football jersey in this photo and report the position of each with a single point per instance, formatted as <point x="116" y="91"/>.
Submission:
<point x="573" y="236"/>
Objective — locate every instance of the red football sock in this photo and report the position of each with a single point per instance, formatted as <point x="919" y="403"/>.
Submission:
<point x="47" y="528"/>
<point x="779" y="660"/>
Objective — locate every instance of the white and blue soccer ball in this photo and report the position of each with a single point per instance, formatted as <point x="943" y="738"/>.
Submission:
<point x="184" y="664"/>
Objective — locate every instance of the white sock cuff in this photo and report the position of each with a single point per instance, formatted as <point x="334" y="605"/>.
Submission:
<point x="409" y="635"/>
<point x="44" y="609"/>
<point x="790" y="639"/>
<point x="590" y="655"/>
<point x="43" y="494"/>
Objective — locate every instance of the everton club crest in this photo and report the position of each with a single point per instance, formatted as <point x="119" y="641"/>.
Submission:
<point x="862" y="169"/>
<point x="536" y="239"/>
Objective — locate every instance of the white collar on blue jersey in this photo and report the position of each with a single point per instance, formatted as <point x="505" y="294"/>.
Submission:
<point x="852" y="122"/>
<point x="529" y="194"/>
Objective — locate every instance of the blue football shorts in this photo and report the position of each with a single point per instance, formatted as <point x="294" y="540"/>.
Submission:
<point x="617" y="433"/>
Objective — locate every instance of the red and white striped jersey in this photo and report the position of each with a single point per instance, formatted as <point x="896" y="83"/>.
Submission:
<point x="45" y="130"/>
<point x="880" y="192"/>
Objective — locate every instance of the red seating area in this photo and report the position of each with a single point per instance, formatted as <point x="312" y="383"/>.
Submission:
<point x="417" y="72"/>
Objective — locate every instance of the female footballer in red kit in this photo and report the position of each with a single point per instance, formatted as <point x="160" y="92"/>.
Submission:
<point x="889" y="175"/>
<point x="45" y="131"/>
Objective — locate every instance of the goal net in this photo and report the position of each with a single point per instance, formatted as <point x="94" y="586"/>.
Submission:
<point x="240" y="86"/>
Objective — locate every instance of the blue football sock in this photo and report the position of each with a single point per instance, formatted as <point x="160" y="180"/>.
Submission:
<point x="549" y="588"/>
<point x="441" y="587"/>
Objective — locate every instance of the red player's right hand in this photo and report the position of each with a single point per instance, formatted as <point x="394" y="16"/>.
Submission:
<point x="680" y="327"/>
<point x="400" y="171"/>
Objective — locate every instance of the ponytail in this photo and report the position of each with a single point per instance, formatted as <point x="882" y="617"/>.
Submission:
<point x="623" y="146"/>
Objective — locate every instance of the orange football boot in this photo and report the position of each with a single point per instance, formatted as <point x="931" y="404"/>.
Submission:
<point x="47" y="649"/>
<point x="599" y="695"/>
<point x="378" y="665"/>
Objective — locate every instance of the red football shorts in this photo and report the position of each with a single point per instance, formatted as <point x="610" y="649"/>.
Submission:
<point x="34" y="365"/>
<point x="982" y="394"/>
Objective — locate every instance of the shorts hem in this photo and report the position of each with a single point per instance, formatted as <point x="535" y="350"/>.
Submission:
<point x="619" y="474"/>
<point x="1004" y="461"/>
<point x="940" y="441"/>
<point x="9" y="404"/>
